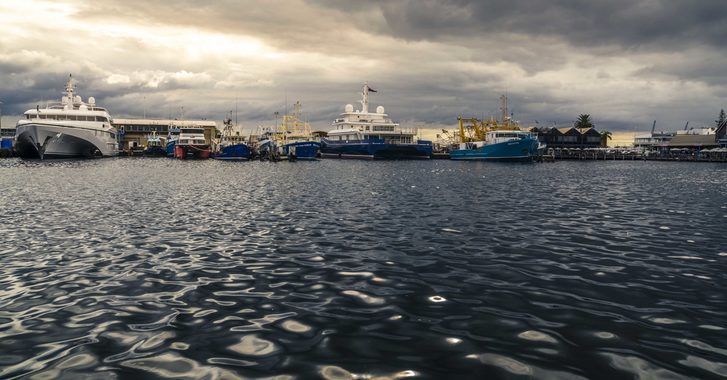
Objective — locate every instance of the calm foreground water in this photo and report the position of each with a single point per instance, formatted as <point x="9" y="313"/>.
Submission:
<point x="155" y="268"/>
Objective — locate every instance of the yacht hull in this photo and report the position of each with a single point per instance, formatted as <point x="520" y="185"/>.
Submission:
<point x="374" y="150"/>
<point x="518" y="150"/>
<point x="58" y="141"/>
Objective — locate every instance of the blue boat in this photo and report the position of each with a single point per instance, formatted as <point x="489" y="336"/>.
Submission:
<point x="499" y="146"/>
<point x="493" y="140"/>
<point x="294" y="137"/>
<point x="372" y="135"/>
<point x="240" y="152"/>
<point x="232" y="148"/>
<point x="172" y="138"/>
<point x="302" y="150"/>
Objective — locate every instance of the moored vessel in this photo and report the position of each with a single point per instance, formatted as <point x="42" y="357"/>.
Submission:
<point x="492" y="140"/>
<point x="191" y="144"/>
<point x="297" y="139"/>
<point x="232" y="148"/>
<point x="172" y="137"/>
<point x="155" y="147"/>
<point x="71" y="128"/>
<point x="372" y="135"/>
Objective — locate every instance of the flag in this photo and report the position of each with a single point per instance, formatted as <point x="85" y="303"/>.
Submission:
<point x="371" y="89"/>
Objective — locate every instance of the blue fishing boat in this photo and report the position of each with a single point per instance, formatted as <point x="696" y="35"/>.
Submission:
<point x="172" y="137"/>
<point x="372" y="135"/>
<point x="302" y="150"/>
<point x="296" y="138"/>
<point x="493" y="140"/>
<point x="500" y="146"/>
<point x="232" y="148"/>
<point x="239" y="151"/>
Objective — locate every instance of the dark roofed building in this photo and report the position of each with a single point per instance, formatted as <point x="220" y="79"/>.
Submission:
<point x="568" y="137"/>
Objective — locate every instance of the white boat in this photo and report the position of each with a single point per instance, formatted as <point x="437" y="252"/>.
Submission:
<point x="71" y="128"/>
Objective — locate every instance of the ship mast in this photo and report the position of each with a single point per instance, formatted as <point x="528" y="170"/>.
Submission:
<point x="503" y="109"/>
<point x="365" y="101"/>
<point x="68" y="99"/>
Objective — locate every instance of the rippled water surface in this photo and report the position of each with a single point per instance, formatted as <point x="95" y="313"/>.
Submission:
<point x="154" y="268"/>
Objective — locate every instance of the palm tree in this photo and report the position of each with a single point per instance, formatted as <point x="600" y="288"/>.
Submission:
<point x="605" y="136"/>
<point x="583" y="122"/>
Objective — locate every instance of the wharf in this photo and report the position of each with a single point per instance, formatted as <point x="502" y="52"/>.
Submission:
<point x="633" y="156"/>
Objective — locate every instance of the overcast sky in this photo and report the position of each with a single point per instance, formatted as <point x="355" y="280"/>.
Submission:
<point x="624" y="62"/>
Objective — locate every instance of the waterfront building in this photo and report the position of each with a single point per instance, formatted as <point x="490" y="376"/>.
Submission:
<point x="568" y="137"/>
<point x="133" y="133"/>
<point x="653" y="141"/>
<point x="695" y="139"/>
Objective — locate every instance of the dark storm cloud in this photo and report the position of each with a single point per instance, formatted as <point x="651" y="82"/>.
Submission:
<point x="651" y="24"/>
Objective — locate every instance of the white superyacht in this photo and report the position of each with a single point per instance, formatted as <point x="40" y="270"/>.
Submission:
<point x="71" y="128"/>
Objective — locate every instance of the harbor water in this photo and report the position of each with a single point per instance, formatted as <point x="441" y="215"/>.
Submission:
<point x="155" y="268"/>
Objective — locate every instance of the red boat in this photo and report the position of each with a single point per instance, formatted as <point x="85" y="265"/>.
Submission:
<point x="191" y="144"/>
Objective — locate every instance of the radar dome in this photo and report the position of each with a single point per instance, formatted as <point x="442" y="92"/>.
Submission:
<point x="91" y="100"/>
<point x="380" y="109"/>
<point x="349" y="108"/>
<point x="77" y="99"/>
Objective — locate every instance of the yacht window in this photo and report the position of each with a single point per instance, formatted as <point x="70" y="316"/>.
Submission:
<point x="72" y="117"/>
<point x="42" y="116"/>
<point x="100" y="118"/>
<point x="367" y="127"/>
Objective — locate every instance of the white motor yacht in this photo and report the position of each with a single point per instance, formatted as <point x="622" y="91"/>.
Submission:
<point x="71" y="128"/>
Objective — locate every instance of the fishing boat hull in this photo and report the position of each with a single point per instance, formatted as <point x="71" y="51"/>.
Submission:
<point x="236" y="152"/>
<point x="302" y="150"/>
<point x="191" y="151"/>
<point x="170" y="148"/>
<point x="525" y="149"/>
<point x="58" y="141"/>
<point x="375" y="150"/>
<point x="156" y="151"/>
